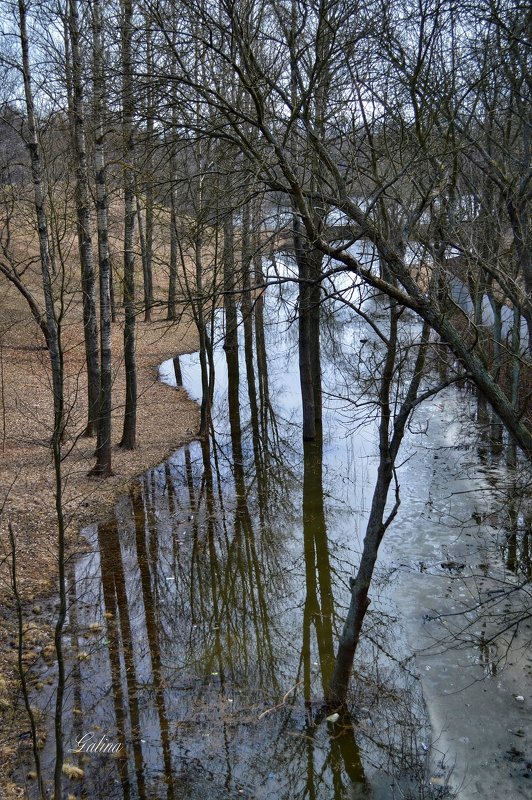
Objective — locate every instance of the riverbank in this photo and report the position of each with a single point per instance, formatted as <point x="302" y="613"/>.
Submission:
<point x="166" y="418"/>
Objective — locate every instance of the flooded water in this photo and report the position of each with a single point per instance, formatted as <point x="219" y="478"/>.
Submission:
<point x="204" y="618"/>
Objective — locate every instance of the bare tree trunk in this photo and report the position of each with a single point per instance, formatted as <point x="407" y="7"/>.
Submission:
<point x="233" y="402"/>
<point x="258" y="314"/>
<point x="177" y="371"/>
<point x="148" y="183"/>
<point x="520" y="221"/>
<point x="304" y="315"/>
<point x="247" y="312"/>
<point x="231" y="321"/>
<point x="142" y="241"/>
<point x="172" y="282"/>
<point x="375" y="529"/>
<point x="174" y="244"/>
<point x="112" y="290"/>
<point x="128" y="441"/>
<point x="103" y="444"/>
<point x="205" y="408"/>
<point x="84" y="227"/>
<point x="148" y="267"/>
<point x="389" y="445"/>
<point x="496" y="307"/>
<point x="38" y="315"/>
<point x="315" y="260"/>
<point x="515" y="375"/>
<point x="314" y="256"/>
<point x="56" y="360"/>
<point x="359" y="604"/>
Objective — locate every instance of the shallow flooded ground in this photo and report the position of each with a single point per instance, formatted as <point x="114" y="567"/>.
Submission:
<point x="203" y="622"/>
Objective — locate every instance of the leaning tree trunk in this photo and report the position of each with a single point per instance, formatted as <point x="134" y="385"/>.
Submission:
<point x="375" y="529"/>
<point x="378" y="522"/>
<point x="359" y="603"/>
<point x="36" y="311"/>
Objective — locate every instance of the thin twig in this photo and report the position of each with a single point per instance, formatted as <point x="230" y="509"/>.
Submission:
<point x="283" y="703"/>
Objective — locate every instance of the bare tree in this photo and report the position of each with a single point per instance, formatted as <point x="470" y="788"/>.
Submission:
<point x="56" y="360"/>
<point x="128" y="441"/>
<point x="103" y="446"/>
<point x="84" y="225"/>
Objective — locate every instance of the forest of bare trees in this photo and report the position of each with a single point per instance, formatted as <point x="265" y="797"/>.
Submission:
<point x="404" y="127"/>
<point x="156" y="157"/>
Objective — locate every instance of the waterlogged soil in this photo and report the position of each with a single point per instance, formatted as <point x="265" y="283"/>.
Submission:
<point x="204" y="616"/>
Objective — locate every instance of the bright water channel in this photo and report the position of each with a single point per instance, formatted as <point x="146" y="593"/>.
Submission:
<point x="203" y="622"/>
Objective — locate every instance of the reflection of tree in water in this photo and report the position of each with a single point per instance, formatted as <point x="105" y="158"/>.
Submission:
<point x="148" y="562"/>
<point x="215" y="601"/>
<point x="319" y="602"/>
<point x="120" y="638"/>
<point x="488" y="586"/>
<point x="343" y="760"/>
<point x="518" y="533"/>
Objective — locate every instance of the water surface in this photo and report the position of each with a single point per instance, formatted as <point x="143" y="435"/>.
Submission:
<point x="203" y="622"/>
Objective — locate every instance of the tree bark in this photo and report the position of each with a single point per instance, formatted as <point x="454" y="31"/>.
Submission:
<point x="56" y="361"/>
<point x="304" y="336"/>
<point x="389" y="445"/>
<point x="128" y="441"/>
<point x="148" y="183"/>
<point x="103" y="444"/>
<point x="172" y="280"/>
<point x="38" y="315"/>
<point x="247" y="312"/>
<point x="231" y="319"/>
<point x="83" y="214"/>
<point x="205" y="407"/>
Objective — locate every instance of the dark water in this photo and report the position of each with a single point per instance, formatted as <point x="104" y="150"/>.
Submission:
<point x="203" y="622"/>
